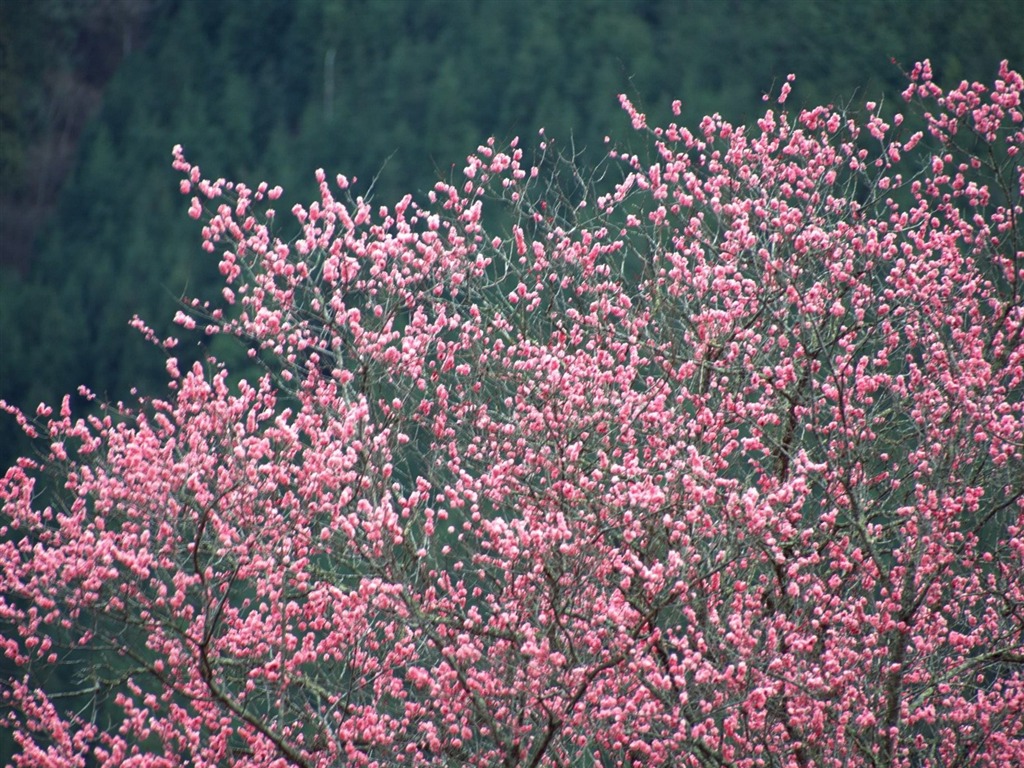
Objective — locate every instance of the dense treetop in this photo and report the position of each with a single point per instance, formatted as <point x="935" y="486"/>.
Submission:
<point x="706" y="455"/>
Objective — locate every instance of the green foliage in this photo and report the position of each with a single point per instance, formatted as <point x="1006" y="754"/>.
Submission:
<point x="397" y="90"/>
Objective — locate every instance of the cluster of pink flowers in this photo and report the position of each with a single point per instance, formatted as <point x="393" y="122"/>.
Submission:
<point x="720" y="466"/>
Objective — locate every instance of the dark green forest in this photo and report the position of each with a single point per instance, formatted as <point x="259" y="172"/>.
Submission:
<point x="94" y="94"/>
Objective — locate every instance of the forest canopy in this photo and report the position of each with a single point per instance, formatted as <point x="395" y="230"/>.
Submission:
<point x="391" y="92"/>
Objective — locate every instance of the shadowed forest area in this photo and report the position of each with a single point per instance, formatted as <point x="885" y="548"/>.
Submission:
<point x="94" y="95"/>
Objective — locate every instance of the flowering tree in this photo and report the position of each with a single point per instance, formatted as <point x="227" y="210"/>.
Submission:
<point x="719" y="467"/>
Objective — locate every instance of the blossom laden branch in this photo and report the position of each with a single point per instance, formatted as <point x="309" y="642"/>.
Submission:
<point x="713" y="462"/>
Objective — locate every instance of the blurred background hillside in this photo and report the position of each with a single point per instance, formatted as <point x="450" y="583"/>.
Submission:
<point x="94" y="93"/>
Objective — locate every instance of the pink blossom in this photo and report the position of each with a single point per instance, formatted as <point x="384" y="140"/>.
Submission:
<point x="725" y="472"/>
